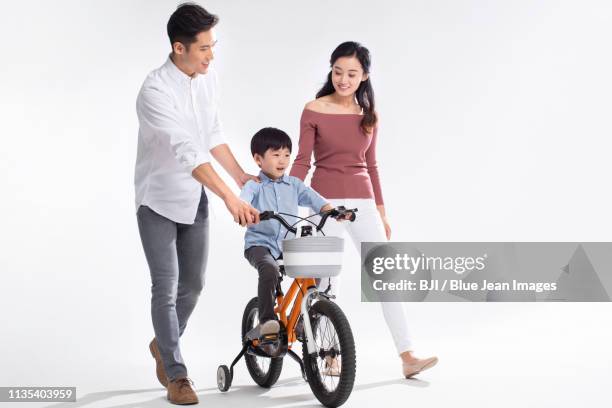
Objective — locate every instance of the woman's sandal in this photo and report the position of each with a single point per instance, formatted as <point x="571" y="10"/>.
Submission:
<point x="419" y="365"/>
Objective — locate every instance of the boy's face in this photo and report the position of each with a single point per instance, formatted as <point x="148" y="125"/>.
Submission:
<point x="274" y="162"/>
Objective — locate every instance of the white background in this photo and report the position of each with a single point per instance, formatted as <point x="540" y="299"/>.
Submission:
<point x="495" y="126"/>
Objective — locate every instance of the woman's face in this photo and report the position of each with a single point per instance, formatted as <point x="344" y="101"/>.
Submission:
<point x="347" y="74"/>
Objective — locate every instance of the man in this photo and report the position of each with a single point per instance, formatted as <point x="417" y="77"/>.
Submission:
<point x="179" y="132"/>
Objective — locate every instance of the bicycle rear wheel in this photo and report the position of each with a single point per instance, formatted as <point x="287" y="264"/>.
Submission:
<point x="331" y="371"/>
<point x="264" y="371"/>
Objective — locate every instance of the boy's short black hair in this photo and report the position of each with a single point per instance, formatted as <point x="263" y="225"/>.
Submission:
<point x="269" y="138"/>
<point x="187" y="21"/>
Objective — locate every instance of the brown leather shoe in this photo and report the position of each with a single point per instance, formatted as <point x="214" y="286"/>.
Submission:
<point x="181" y="393"/>
<point x="159" y="365"/>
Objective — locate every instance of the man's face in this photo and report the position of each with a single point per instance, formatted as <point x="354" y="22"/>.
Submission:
<point x="274" y="162"/>
<point x="199" y="55"/>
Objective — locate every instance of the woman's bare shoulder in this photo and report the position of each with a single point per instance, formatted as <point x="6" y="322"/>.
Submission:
<point x="320" y="105"/>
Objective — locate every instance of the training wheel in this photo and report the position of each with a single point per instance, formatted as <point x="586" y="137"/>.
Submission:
<point x="224" y="378"/>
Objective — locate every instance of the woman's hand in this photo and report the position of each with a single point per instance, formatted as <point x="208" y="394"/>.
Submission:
<point x="385" y="221"/>
<point x="387" y="227"/>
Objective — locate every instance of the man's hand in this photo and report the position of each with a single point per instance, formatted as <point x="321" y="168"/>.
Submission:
<point x="244" y="177"/>
<point x="242" y="212"/>
<point x="225" y="157"/>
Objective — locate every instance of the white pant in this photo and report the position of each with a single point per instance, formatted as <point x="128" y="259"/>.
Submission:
<point x="368" y="226"/>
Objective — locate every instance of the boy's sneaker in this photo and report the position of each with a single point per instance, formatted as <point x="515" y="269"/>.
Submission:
<point x="269" y="328"/>
<point x="268" y="332"/>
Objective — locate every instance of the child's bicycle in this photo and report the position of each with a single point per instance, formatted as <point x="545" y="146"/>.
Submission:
<point x="328" y="348"/>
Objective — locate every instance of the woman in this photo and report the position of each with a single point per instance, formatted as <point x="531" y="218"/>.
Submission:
<point x="340" y="127"/>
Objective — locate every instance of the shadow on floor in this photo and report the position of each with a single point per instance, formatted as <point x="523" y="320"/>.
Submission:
<point x="252" y="396"/>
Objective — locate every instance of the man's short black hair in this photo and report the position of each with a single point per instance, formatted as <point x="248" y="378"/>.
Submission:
<point x="269" y="138"/>
<point x="188" y="21"/>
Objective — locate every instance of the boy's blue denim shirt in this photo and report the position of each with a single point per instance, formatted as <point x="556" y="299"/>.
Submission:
<point x="282" y="195"/>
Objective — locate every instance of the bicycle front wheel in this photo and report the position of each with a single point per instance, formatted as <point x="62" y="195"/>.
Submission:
<point x="331" y="370"/>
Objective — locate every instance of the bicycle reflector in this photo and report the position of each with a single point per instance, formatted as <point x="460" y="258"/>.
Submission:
<point x="313" y="257"/>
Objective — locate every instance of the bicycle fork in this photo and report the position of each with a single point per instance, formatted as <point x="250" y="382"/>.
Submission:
<point x="310" y="342"/>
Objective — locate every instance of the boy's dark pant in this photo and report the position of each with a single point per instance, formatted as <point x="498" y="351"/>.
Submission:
<point x="261" y="258"/>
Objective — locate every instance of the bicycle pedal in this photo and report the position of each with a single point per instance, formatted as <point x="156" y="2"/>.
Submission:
<point x="268" y="338"/>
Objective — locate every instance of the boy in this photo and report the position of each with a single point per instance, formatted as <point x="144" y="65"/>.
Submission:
<point x="271" y="149"/>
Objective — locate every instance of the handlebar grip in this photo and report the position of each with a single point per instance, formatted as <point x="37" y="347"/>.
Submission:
<point x="265" y="215"/>
<point x="341" y="211"/>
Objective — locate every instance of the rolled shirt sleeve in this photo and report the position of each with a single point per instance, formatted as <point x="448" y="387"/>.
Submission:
<point x="155" y="111"/>
<point x="216" y="136"/>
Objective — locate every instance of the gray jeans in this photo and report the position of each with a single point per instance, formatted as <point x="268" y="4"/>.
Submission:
<point x="176" y="254"/>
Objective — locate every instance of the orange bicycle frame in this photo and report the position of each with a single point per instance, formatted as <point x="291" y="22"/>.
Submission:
<point x="297" y="290"/>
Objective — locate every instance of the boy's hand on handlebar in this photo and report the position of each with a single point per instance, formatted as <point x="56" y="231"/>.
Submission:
<point x="346" y="216"/>
<point x="340" y="213"/>
<point x="242" y="211"/>
<point x="328" y="208"/>
<point x="345" y="213"/>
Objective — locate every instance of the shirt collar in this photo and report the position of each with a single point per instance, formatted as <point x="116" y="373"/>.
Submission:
<point x="266" y="179"/>
<point x="176" y="73"/>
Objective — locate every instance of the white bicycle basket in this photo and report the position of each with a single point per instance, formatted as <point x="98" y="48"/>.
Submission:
<point x="313" y="257"/>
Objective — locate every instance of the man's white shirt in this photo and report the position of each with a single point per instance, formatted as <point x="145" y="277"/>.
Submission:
<point x="179" y="124"/>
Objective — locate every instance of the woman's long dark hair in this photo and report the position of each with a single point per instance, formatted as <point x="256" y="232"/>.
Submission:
<point x="365" y="93"/>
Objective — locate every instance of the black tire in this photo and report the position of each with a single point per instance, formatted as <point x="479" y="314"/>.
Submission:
<point x="333" y="337"/>
<point x="264" y="371"/>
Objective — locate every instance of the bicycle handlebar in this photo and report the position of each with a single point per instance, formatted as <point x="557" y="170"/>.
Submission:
<point x="267" y="215"/>
<point x="337" y="212"/>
